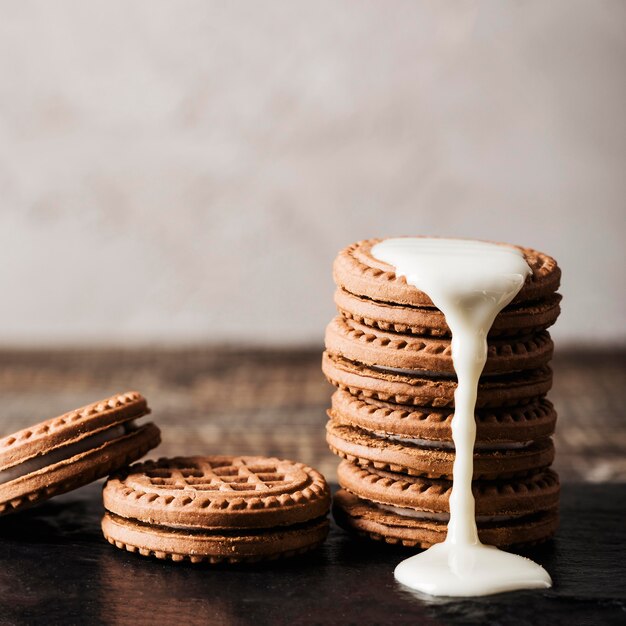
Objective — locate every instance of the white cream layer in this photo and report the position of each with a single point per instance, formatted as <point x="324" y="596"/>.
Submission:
<point x="420" y="373"/>
<point x="449" y="445"/>
<point x="436" y="517"/>
<point x="407" y="372"/>
<point x="63" y="453"/>
<point x="470" y="282"/>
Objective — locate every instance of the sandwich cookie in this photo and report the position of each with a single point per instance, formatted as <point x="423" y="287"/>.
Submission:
<point x="396" y="526"/>
<point x="73" y="450"/>
<point x="422" y="458"/>
<point x="410" y="355"/>
<point x="422" y="389"/>
<point x="429" y="499"/>
<point x="217" y="509"/>
<point x="433" y="426"/>
<point x="521" y="319"/>
<point x="357" y="271"/>
<point x="414" y="511"/>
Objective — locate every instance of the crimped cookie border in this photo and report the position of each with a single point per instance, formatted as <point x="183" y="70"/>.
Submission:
<point x="316" y="534"/>
<point x="71" y="426"/>
<point x="374" y="347"/>
<point x="176" y="557"/>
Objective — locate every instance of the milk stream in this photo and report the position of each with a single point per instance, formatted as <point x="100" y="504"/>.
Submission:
<point x="470" y="282"/>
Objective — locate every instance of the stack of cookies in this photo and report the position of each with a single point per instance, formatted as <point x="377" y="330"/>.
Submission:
<point x="388" y="353"/>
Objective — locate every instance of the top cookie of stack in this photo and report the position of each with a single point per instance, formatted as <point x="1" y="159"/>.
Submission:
<point x="389" y="353"/>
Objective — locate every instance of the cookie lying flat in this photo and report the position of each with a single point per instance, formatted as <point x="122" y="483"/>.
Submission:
<point x="375" y="347"/>
<point x="428" y="498"/>
<point x="531" y="421"/>
<point x="216" y="509"/>
<point x="367" y="519"/>
<point x="366" y="448"/>
<point x="517" y="320"/>
<point x="420" y="390"/>
<point x="70" y="451"/>
<point x="356" y="271"/>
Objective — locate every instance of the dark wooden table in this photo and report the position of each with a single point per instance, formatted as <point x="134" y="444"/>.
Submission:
<point x="56" y="569"/>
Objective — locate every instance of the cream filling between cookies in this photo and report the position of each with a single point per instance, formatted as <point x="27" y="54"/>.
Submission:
<point x="437" y="517"/>
<point x="407" y="372"/>
<point x="65" y="452"/>
<point x="449" y="445"/>
<point x="429" y="373"/>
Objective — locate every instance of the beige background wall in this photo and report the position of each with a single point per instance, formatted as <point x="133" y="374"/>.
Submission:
<point x="187" y="170"/>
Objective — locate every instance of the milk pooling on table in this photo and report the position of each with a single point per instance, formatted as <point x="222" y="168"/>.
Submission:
<point x="470" y="282"/>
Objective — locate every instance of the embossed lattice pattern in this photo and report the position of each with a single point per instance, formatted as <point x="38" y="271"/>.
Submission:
<point x="239" y="475"/>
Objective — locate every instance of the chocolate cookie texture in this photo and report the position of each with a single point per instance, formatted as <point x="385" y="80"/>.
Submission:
<point x="72" y="450"/>
<point x="215" y="509"/>
<point x="388" y="353"/>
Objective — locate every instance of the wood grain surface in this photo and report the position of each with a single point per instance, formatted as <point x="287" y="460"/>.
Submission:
<point x="273" y="402"/>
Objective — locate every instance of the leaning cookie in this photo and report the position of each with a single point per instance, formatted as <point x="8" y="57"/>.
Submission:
<point x="217" y="509"/>
<point x="67" y="452"/>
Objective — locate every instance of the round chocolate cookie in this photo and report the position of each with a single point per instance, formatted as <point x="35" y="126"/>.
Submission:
<point x="356" y="271"/>
<point x="386" y="453"/>
<point x="69" y="451"/>
<point x="428" y="498"/>
<point x="411" y="355"/>
<point x="531" y="421"/>
<point x="513" y="321"/>
<point x="215" y="509"/>
<point x="370" y="520"/>
<point x="422" y="390"/>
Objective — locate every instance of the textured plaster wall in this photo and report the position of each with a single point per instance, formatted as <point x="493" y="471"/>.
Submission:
<point x="187" y="170"/>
